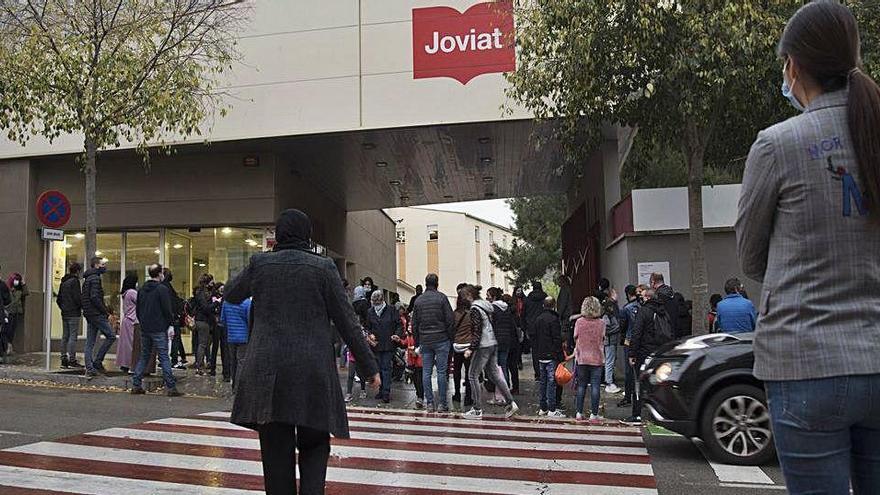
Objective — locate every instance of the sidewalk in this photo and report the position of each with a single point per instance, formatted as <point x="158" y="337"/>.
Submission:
<point x="31" y="368"/>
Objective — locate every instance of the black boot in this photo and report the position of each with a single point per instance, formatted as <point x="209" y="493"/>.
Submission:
<point x="64" y="362"/>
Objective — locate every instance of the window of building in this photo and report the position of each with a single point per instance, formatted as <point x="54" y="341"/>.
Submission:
<point x="400" y="234"/>
<point x="477" y="233"/>
<point x="491" y="237"/>
<point x="478" y="278"/>
<point x="433" y="232"/>
<point x="492" y="279"/>
<point x="504" y="241"/>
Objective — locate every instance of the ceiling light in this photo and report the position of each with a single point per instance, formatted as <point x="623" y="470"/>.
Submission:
<point x="381" y="164"/>
<point x="250" y="242"/>
<point x="177" y="246"/>
<point x="202" y="265"/>
<point x="369" y="146"/>
<point x="394" y="183"/>
<point x="488" y="179"/>
<point x="157" y="251"/>
<point x="98" y="253"/>
<point x="79" y="235"/>
<point x="484" y="140"/>
<point x="226" y="230"/>
<point x="486" y="159"/>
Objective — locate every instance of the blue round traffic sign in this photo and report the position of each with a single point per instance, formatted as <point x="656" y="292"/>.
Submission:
<point x="53" y="209"/>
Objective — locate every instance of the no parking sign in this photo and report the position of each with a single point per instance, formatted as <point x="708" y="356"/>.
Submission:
<point x="53" y="209"/>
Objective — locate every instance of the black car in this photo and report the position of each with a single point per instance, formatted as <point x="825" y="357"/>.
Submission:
<point x="703" y="387"/>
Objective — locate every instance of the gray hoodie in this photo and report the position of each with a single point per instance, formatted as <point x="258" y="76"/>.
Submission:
<point x="484" y="310"/>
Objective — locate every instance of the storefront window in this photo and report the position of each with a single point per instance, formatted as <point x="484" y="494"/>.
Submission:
<point x="141" y="251"/>
<point x="220" y="251"/>
<point x="178" y="252"/>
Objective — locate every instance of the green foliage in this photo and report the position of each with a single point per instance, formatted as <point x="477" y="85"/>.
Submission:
<point x="537" y="244"/>
<point x="115" y="71"/>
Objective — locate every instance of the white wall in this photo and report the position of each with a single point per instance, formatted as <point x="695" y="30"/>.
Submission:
<point x="667" y="208"/>
<point x="312" y="66"/>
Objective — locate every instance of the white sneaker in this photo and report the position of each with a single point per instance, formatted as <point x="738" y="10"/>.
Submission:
<point x="595" y="419"/>
<point x="612" y="389"/>
<point x="363" y="394"/>
<point x="555" y="414"/>
<point x="473" y="414"/>
<point x="512" y="409"/>
<point x="579" y="417"/>
<point x="542" y="413"/>
<point x="347" y="398"/>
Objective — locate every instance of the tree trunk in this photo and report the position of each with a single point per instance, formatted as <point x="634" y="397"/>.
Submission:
<point x="91" y="171"/>
<point x="694" y="144"/>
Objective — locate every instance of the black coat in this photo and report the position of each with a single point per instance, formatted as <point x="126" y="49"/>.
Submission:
<point x="205" y="307"/>
<point x="383" y="327"/>
<point x="69" y="298"/>
<point x="504" y="324"/>
<point x="93" y="295"/>
<point x="432" y="318"/>
<point x="645" y="339"/>
<point x="154" y="311"/>
<point x="547" y="343"/>
<point x="534" y="307"/>
<point x="290" y="375"/>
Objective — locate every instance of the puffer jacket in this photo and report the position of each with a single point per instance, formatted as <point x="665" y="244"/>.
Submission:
<point x="93" y="295"/>
<point x="432" y="318"/>
<point x="483" y="334"/>
<point x="504" y="324"/>
<point x="69" y="298"/>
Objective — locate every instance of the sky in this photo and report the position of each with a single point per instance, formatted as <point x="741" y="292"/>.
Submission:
<point x="493" y="210"/>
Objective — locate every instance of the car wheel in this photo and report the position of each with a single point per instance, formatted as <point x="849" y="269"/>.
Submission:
<point x="735" y="426"/>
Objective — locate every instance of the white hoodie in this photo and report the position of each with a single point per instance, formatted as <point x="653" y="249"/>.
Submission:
<point x="487" y="337"/>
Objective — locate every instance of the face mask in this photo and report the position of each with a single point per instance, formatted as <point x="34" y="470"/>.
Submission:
<point x="102" y="269"/>
<point x="16" y="283"/>
<point x="788" y="94"/>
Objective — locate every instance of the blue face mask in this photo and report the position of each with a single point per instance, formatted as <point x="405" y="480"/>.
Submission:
<point x="788" y="94"/>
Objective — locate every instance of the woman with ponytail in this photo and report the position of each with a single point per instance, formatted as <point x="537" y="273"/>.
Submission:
<point x="809" y="229"/>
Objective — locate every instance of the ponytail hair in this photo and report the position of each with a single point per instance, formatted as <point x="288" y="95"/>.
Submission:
<point x="823" y="39"/>
<point x="863" y="114"/>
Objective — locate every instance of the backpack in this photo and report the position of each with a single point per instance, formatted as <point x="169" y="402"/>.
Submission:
<point x="664" y="330"/>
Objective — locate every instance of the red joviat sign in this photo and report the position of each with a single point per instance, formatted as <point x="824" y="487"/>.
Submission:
<point x="448" y="43"/>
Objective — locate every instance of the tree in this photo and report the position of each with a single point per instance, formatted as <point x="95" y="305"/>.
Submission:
<point x="682" y="71"/>
<point x="113" y="72"/>
<point x="537" y="244"/>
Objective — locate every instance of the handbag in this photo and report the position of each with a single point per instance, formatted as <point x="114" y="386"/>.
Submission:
<point x="563" y="375"/>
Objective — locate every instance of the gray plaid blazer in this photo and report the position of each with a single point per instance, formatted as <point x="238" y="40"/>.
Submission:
<point x="803" y="231"/>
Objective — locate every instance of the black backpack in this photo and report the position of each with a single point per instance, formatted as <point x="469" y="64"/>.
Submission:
<point x="664" y="330"/>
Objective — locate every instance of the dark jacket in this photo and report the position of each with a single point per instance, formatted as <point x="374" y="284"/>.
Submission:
<point x="463" y="326"/>
<point x="5" y="296"/>
<point x="432" y="318"/>
<point x="205" y="308"/>
<point x="504" y="324"/>
<point x="534" y="308"/>
<point x="154" y="308"/>
<point x="177" y="303"/>
<point x="412" y="303"/>
<point x="666" y="295"/>
<point x="93" y="295"/>
<point x="547" y="343"/>
<point x="645" y="339"/>
<point x="290" y="375"/>
<point x="69" y="298"/>
<point x="383" y="327"/>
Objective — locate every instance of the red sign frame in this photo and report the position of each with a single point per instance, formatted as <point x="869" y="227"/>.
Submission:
<point x="53" y="209"/>
<point x="463" y="45"/>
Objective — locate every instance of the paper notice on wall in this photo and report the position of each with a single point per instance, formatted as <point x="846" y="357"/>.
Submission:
<point x="647" y="268"/>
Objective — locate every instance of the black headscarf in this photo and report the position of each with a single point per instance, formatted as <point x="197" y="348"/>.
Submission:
<point x="129" y="282"/>
<point x="293" y="230"/>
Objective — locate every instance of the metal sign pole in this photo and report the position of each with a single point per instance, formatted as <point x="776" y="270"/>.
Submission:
<point x="47" y="301"/>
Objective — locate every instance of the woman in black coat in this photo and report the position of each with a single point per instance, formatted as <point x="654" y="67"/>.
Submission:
<point x="288" y="388"/>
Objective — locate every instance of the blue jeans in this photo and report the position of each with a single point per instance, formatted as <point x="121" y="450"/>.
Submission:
<point x="158" y="343"/>
<point x="503" y="354"/>
<point x="385" y="364"/>
<point x="592" y="376"/>
<point x="436" y="354"/>
<point x="610" y="357"/>
<point x="827" y="433"/>
<point x="547" y="386"/>
<point x="70" y="332"/>
<point x="97" y="324"/>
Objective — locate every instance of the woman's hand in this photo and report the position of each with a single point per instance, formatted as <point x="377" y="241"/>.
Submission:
<point x="468" y="353"/>
<point x="375" y="382"/>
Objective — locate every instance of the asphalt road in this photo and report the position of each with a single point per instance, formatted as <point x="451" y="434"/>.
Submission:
<point x="30" y="414"/>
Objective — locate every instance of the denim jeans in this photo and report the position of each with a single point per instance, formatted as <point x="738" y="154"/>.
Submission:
<point x="436" y="354"/>
<point x="588" y="376"/>
<point x="610" y="356"/>
<point x="97" y="324"/>
<point x="827" y="433"/>
<point x="150" y="343"/>
<point x="385" y="359"/>
<point x="547" y="386"/>
<point x="70" y="325"/>
<point x="485" y="360"/>
<point x="503" y="353"/>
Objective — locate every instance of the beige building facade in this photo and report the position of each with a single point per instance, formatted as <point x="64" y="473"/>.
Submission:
<point x="456" y="246"/>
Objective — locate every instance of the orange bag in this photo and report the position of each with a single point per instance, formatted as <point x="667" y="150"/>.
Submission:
<point x="563" y="375"/>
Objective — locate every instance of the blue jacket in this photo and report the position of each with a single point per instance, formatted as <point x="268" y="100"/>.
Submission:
<point x="736" y="314"/>
<point x="235" y="317"/>
<point x="628" y="317"/>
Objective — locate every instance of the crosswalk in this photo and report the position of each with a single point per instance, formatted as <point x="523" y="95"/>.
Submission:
<point x="391" y="452"/>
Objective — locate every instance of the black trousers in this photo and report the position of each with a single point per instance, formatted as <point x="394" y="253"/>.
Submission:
<point x="278" y="446"/>
<point x="637" y="394"/>
<point x="514" y="361"/>
<point x="178" y="353"/>
<point x="459" y="361"/>
<point x="218" y="344"/>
